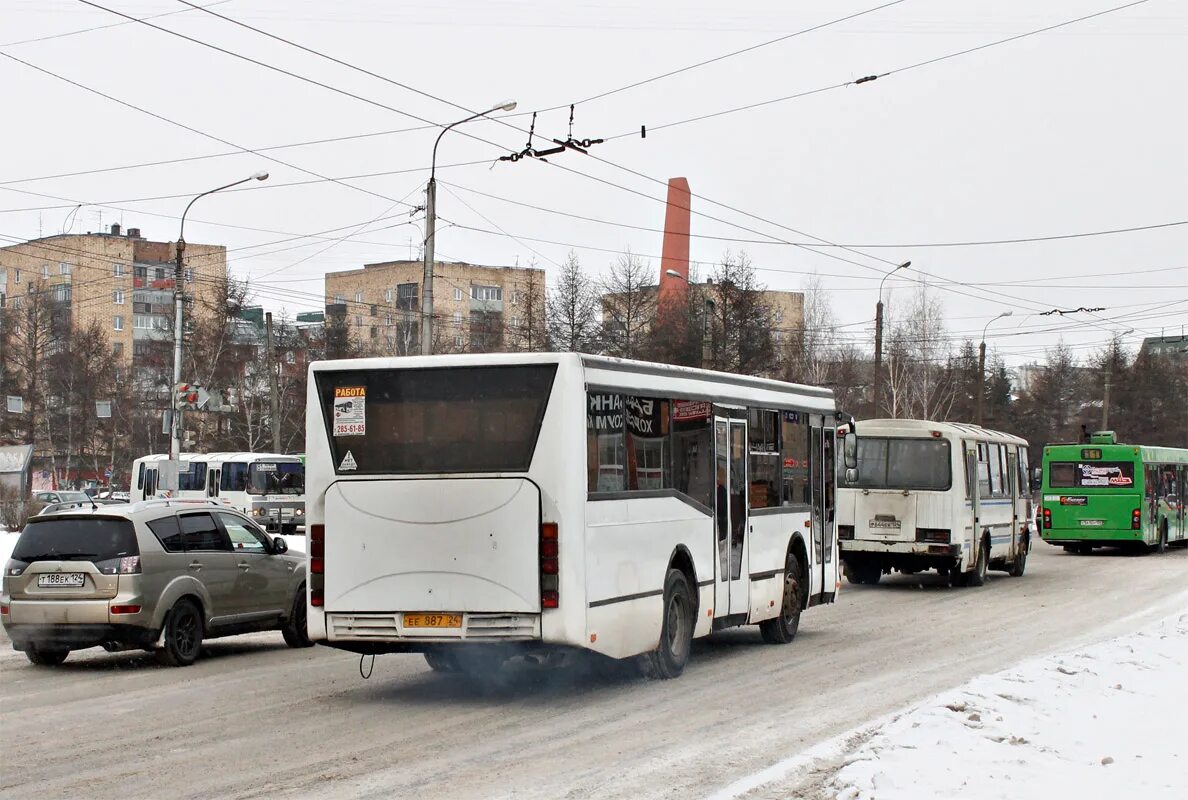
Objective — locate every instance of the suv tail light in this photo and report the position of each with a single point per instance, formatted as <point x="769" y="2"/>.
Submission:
<point x="550" y="585"/>
<point x="128" y="565"/>
<point x="317" y="564"/>
<point x="125" y="609"/>
<point x="1047" y="518"/>
<point x="1136" y="519"/>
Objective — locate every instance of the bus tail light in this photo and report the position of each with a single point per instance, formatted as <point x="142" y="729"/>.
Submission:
<point x="317" y="564"/>
<point x="1136" y="519"/>
<point x="1047" y="518"/>
<point x="550" y="546"/>
<point x="317" y="549"/>
<point x="933" y="535"/>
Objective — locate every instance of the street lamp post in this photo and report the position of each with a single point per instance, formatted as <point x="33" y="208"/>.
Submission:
<point x="982" y="366"/>
<point x="878" y="368"/>
<point x="178" y="305"/>
<point x="430" y="229"/>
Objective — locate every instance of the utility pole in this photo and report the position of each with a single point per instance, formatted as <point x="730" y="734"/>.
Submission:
<point x="272" y="366"/>
<point x="430" y="229"/>
<point x="878" y="368"/>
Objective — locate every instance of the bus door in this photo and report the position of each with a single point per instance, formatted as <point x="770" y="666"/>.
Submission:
<point x="212" y="482"/>
<point x="822" y="474"/>
<point x="731" y="524"/>
<point x="1013" y="476"/>
<point x="973" y="489"/>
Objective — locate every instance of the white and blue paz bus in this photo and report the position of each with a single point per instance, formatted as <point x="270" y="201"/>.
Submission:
<point x="475" y="507"/>
<point x="935" y="495"/>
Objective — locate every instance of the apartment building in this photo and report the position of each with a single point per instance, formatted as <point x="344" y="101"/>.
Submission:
<point x="475" y="308"/>
<point x="119" y="279"/>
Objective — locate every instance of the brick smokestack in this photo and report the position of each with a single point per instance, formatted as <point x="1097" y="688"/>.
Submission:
<point x="675" y="255"/>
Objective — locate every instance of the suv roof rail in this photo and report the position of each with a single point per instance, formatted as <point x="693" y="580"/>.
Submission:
<point x="171" y="502"/>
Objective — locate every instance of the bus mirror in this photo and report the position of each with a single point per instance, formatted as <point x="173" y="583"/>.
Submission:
<point x="851" y="476"/>
<point x="850" y="450"/>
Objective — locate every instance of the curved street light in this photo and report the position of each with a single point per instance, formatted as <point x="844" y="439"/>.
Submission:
<point x="178" y="304"/>
<point x="982" y="365"/>
<point x="878" y="376"/>
<point x="431" y="225"/>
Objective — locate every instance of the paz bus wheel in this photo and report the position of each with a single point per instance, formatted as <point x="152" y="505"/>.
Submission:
<point x="782" y="629"/>
<point x="1019" y="566"/>
<point x="1160" y="546"/>
<point x="671" y="655"/>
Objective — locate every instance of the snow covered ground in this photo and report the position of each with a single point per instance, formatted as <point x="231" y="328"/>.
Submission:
<point x="1105" y="721"/>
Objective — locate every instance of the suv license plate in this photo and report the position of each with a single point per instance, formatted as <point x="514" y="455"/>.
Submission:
<point x="433" y="620"/>
<point x="74" y="579"/>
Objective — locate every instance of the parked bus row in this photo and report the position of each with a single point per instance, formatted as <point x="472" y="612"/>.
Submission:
<point x="268" y="487"/>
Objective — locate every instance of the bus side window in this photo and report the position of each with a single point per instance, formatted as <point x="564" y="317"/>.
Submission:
<point x="140" y="476"/>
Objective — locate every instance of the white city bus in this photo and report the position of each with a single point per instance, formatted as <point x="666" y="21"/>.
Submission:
<point x="470" y="507"/>
<point x="268" y="486"/>
<point x="935" y="495"/>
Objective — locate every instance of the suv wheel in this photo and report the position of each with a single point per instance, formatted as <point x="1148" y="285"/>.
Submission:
<point x="296" y="632"/>
<point x="183" y="636"/>
<point x="46" y="657"/>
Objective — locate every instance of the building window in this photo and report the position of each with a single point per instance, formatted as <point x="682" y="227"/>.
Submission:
<point x="45" y="270"/>
<point x="339" y="299"/>
<point x="61" y="294"/>
<point x="17" y="302"/>
<point x="486" y="293"/>
<point x="359" y="320"/>
<point x="290" y="357"/>
<point x="17" y="279"/>
<point x="117" y="349"/>
<point x="189" y="275"/>
<point x="139" y="272"/>
<point x="457" y="317"/>
<point x="359" y="296"/>
<point x="117" y="297"/>
<point x="64" y="268"/>
<point x="457" y="341"/>
<point x="387" y="319"/>
<point x="458" y="295"/>
<point x="517" y="298"/>
<point x="515" y="322"/>
<point x="387" y="295"/>
<point x="117" y="270"/>
<point x="407" y="295"/>
<point x="373" y="331"/>
<point x="117" y="322"/>
<point x="3" y="299"/>
<point x="160" y="273"/>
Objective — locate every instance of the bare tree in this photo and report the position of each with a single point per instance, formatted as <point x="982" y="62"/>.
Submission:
<point x="809" y="355"/>
<point x="527" y="327"/>
<point x="628" y="306"/>
<point x="919" y="384"/>
<point x="740" y="328"/>
<point x="572" y="310"/>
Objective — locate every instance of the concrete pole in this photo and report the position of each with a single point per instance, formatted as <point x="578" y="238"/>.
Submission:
<point x="427" y="279"/>
<point x="1105" y="405"/>
<point x="272" y="367"/>
<point x="178" y="302"/>
<point x="878" y="366"/>
<point x="981" y="382"/>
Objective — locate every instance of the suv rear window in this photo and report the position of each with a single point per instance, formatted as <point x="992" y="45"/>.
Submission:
<point x="90" y="539"/>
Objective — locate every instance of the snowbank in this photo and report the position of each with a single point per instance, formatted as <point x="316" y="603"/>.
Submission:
<point x="1106" y="721"/>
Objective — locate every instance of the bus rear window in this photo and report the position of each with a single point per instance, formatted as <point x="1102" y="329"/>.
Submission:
<point x="1088" y="475"/>
<point x="894" y="463"/>
<point x="421" y="421"/>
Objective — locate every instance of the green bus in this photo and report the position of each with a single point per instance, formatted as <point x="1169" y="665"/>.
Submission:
<point x="1105" y="494"/>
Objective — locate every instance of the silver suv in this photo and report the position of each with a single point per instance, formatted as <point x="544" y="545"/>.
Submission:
<point x="159" y="575"/>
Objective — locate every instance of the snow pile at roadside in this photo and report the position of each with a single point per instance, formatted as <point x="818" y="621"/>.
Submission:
<point x="1107" y="721"/>
<point x="8" y="540"/>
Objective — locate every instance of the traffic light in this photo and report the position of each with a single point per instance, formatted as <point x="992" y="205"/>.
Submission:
<point x="186" y="395"/>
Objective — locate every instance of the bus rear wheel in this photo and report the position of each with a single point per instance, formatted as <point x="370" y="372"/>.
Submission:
<point x="671" y="655"/>
<point x="1019" y="566"/>
<point x="782" y="629"/>
<point x="1160" y="546"/>
<point x="440" y="661"/>
<point x="976" y="576"/>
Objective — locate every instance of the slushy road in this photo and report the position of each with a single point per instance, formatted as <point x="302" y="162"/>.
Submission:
<point x="255" y="719"/>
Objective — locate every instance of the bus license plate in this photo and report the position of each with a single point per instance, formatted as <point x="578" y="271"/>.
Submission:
<point x="433" y="620"/>
<point x="1092" y="523"/>
<point x="74" y="579"/>
<point x="889" y="524"/>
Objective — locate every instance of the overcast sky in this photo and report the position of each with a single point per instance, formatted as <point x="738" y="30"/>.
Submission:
<point x="1075" y="130"/>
